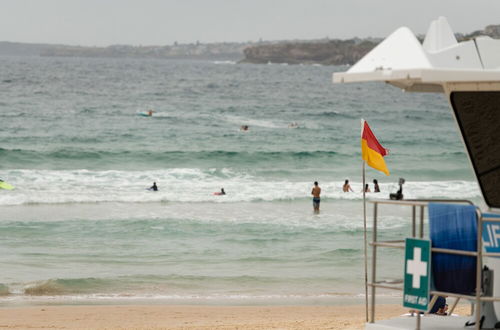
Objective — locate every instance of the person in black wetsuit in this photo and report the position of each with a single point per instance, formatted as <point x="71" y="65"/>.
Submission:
<point x="154" y="187"/>
<point x="376" y="188"/>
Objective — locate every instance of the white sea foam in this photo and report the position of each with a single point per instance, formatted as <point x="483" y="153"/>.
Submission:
<point x="224" y="62"/>
<point x="254" y="122"/>
<point x="159" y="114"/>
<point x="194" y="185"/>
<point x="192" y="298"/>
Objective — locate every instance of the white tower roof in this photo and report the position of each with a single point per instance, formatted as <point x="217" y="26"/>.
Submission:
<point x="402" y="61"/>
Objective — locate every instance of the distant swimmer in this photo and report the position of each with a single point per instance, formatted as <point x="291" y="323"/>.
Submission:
<point x="220" y="193"/>
<point x="244" y="128"/>
<point x="376" y="188"/>
<point x="367" y="188"/>
<point x="148" y="113"/>
<point x="154" y="187"/>
<point x="346" y="187"/>
<point x="293" y="125"/>
<point x="316" y="192"/>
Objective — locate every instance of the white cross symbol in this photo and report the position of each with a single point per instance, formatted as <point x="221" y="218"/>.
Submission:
<point x="416" y="267"/>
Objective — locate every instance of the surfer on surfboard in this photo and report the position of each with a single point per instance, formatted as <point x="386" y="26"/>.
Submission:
<point x="148" y="113"/>
<point x="5" y="185"/>
<point x="220" y="193"/>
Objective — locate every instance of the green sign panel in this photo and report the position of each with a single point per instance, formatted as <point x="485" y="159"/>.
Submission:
<point x="417" y="274"/>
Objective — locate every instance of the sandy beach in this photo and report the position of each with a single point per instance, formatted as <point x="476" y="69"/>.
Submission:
<point x="192" y="317"/>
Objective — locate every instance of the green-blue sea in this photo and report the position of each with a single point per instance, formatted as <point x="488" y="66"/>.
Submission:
<point x="81" y="225"/>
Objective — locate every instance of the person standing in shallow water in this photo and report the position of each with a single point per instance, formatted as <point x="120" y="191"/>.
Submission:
<point x="316" y="192"/>
<point x="346" y="187"/>
<point x="376" y="188"/>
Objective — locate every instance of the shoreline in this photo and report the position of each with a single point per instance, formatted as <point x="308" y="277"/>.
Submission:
<point x="192" y="317"/>
<point x="256" y="301"/>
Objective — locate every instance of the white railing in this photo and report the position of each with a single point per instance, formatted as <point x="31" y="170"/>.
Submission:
<point x="400" y="244"/>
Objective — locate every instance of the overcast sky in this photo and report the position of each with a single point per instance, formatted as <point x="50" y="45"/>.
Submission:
<point x="161" y="22"/>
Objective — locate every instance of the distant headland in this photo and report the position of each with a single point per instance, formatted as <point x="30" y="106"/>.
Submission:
<point x="330" y="52"/>
<point x="321" y="51"/>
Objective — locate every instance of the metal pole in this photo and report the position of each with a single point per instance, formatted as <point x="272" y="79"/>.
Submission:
<point x="421" y="222"/>
<point x="413" y="217"/>
<point x="418" y="320"/>
<point x="450" y="311"/>
<point x="374" y="260"/>
<point x="365" y="245"/>
<point x="479" y="276"/>
<point x="433" y="301"/>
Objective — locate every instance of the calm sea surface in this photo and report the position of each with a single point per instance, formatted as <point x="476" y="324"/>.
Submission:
<point x="81" y="226"/>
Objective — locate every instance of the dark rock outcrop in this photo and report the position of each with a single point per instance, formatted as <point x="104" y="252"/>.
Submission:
<point x="331" y="52"/>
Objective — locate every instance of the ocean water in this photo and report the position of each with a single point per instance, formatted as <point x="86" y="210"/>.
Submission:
<point x="81" y="226"/>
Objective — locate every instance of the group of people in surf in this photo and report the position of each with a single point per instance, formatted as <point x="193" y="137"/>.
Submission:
<point x="316" y="192"/>
<point x="347" y="187"/>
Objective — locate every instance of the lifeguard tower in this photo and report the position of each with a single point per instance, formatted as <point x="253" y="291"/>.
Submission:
<point x="465" y="240"/>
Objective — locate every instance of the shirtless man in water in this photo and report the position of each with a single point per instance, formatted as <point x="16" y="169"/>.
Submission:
<point x="316" y="191"/>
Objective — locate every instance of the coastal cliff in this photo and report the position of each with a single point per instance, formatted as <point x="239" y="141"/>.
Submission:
<point x="332" y="52"/>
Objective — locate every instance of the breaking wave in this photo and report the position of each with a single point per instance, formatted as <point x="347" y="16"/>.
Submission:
<point x="194" y="185"/>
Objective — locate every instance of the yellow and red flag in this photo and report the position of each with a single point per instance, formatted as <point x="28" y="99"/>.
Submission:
<point x="371" y="150"/>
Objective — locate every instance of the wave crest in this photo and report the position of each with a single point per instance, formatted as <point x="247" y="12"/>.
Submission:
<point x="55" y="287"/>
<point x="196" y="185"/>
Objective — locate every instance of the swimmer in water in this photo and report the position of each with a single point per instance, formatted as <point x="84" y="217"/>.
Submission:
<point x="316" y="191"/>
<point x="154" y="187"/>
<point x="346" y="187"/>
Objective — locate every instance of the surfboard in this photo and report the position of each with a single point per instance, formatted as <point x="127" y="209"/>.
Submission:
<point x="148" y="113"/>
<point x="5" y="185"/>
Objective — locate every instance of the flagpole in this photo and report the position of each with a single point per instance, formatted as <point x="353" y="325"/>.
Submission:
<point x="373" y="154"/>
<point x="365" y="244"/>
